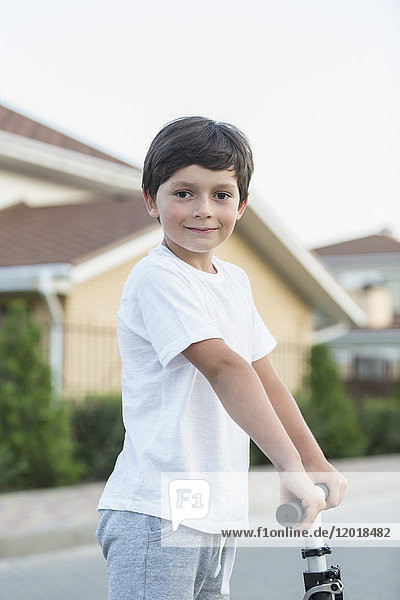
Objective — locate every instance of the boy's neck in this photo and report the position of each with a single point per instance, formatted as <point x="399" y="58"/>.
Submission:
<point x="199" y="260"/>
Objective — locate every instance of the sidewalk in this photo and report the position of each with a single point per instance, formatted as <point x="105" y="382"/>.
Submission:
<point x="50" y="519"/>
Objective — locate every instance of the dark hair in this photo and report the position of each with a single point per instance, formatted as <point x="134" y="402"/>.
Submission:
<point x="197" y="141"/>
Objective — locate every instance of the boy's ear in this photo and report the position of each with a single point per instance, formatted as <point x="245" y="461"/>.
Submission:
<point x="241" y="209"/>
<point x="150" y="205"/>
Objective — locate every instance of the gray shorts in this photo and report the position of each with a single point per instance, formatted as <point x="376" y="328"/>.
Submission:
<point x="144" y="564"/>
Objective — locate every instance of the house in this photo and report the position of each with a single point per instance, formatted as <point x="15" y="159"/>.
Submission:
<point x="368" y="268"/>
<point x="72" y="225"/>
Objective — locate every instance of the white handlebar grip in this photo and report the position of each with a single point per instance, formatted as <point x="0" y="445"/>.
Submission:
<point x="290" y="513"/>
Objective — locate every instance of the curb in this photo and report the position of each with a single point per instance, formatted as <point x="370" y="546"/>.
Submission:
<point x="48" y="519"/>
<point x="39" y="542"/>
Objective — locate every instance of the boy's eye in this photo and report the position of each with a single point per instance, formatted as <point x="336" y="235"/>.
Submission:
<point x="185" y="195"/>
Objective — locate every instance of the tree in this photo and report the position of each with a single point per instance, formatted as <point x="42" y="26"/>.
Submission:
<point x="328" y="411"/>
<point x="36" y="449"/>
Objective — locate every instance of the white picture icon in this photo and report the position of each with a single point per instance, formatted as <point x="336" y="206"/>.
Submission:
<point x="188" y="499"/>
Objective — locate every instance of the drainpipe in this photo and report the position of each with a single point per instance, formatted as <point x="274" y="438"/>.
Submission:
<point x="46" y="288"/>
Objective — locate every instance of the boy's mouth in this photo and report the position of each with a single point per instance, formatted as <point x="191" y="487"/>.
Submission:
<point x="201" y="229"/>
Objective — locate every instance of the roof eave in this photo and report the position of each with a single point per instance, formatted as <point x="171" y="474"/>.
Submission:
<point x="68" y="165"/>
<point x="304" y="272"/>
<point x="27" y="278"/>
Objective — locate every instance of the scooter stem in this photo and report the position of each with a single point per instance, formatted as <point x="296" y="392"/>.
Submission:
<point x="320" y="582"/>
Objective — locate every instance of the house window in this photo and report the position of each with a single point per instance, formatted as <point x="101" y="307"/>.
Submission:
<point x="370" y="368"/>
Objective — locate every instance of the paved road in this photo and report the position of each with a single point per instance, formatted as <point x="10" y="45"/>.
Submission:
<point x="74" y="574"/>
<point x="30" y="519"/>
<point x="277" y="574"/>
<point x="259" y="574"/>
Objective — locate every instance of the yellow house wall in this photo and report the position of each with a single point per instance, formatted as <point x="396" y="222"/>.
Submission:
<point x="91" y="358"/>
<point x="286" y="315"/>
<point x="96" y="300"/>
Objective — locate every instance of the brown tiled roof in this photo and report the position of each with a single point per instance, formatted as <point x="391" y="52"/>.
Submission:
<point x="14" y="122"/>
<point x="69" y="233"/>
<point x="372" y="244"/>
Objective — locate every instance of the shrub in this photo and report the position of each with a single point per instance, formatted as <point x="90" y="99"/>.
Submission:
<point x="36" y="449"/>
<point x="98" y="432"/>
<point x="327" y="410"/>
<point x="380" y="421"/>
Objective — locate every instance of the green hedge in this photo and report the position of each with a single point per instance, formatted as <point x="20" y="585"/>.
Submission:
<point x="98" y="433"/>
<point x="327" y="409"/>
<point x="342" y="428"/>
<point x="374" y="428"/>
<point x="36" y="449"/>
<point x="380" y="422"/>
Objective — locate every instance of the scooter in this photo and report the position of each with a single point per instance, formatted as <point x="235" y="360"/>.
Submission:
<point x="320" y="582"/>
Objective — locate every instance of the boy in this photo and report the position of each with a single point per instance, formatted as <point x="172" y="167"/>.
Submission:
<point x="197" y="380"/>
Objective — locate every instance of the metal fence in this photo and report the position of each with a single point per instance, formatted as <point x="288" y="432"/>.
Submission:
<point x="92" y="365"/>
<point x="291" y="363"/>
<point x="91" y="362"/>
<point x="371" y="374"/>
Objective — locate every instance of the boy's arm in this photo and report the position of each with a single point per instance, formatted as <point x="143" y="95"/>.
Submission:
<point x="290" y="416"/>
<point x="241" y="392"/>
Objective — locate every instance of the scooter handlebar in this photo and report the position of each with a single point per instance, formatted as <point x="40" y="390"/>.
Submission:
<point x="291" y="513"/>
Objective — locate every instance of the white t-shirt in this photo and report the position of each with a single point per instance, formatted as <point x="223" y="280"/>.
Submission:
<point x="176" y="426"/>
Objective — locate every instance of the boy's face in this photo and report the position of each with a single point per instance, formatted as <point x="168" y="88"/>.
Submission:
<point x="198" y="209"/>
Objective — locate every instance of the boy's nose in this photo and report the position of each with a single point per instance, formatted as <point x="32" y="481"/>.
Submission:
<point x="203" y="207"/>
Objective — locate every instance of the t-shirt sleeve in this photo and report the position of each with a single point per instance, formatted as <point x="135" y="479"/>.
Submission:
<point x="173" y="315"/>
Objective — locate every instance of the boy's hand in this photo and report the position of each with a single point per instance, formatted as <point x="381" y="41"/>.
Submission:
<point x="298" y="484"/>
<point x="324" y="472"/>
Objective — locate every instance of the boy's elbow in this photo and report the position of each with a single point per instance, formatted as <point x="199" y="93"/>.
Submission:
<point x="212" y="357"/>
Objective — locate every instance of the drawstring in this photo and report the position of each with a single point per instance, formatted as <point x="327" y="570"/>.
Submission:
<point x="230" y="544"/>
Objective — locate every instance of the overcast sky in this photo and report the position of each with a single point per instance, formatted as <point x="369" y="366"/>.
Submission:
<point x="314" y="84"/>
